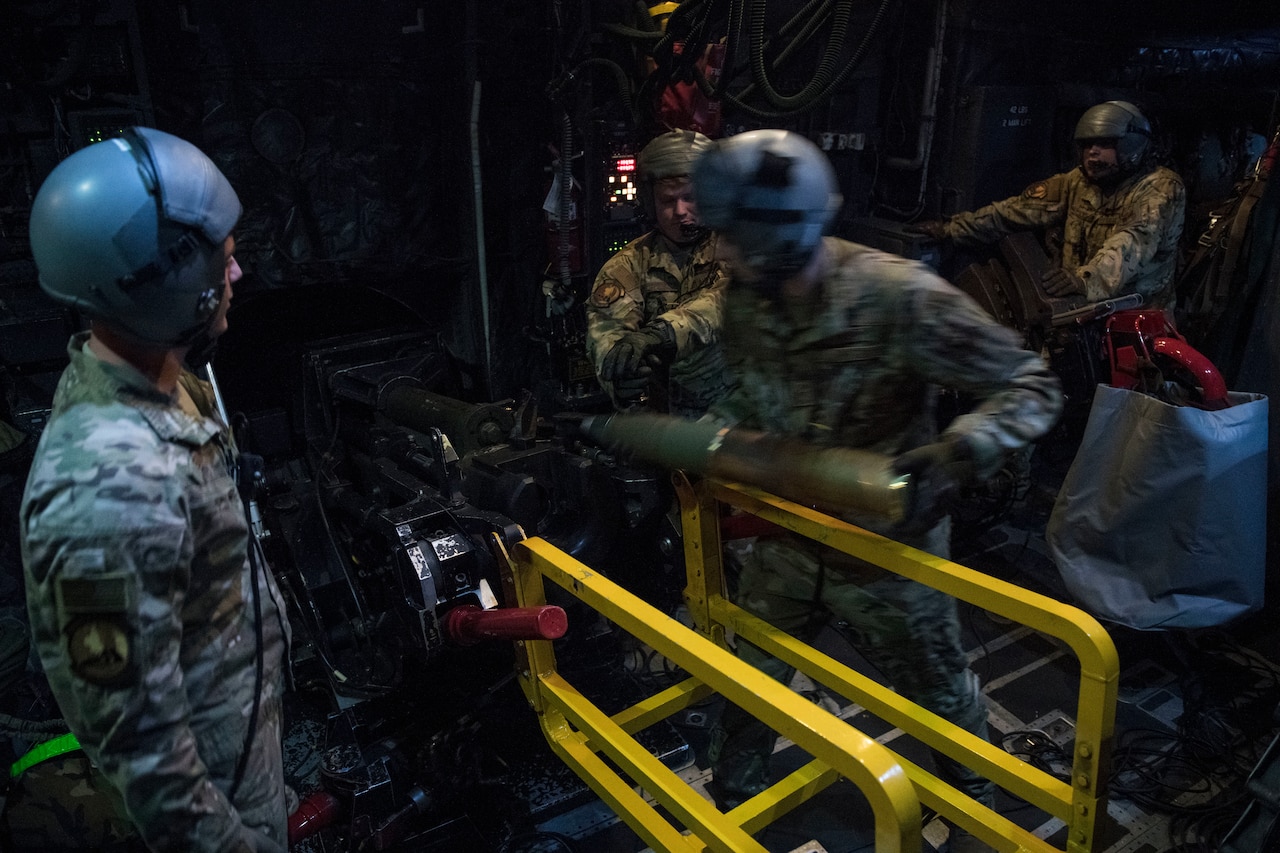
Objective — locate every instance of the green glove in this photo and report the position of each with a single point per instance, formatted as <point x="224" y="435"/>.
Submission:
<point x="652" y="345"/>
<point x="631" y="388"/>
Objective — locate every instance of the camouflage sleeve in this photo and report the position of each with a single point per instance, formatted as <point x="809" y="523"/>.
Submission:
<point x="699" y="316"/>
<point x="1153" y="218"/>
<point x="953" y="343"/>
<point x="1040" y="205"/>
<point x="615" y="306"/>
<point x="107" y="575"/>
<point x="750" y="379"/>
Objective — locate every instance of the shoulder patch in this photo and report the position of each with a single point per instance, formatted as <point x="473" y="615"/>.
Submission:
<point x="98" y="648"/>
<point x="607" y="294"/>
<point x="113" y="592"/>
<point x="1050" y="190"/>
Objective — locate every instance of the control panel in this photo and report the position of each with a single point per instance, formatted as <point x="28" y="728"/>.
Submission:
<point x="624" y="218"/>
<point x="622" y="198"/>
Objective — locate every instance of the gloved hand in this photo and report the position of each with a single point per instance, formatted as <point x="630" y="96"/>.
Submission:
<point x="1062" y="283"/>
<point x="655" y="342"/>
<point x="934" y="228"/>
<point x="631" y="388"/>
<point x="938" y="471"/>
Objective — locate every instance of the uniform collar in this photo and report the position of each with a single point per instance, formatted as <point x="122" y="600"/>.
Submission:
<point x="128" y="385"/>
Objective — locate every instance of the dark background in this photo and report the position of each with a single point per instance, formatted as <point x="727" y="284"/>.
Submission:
<point x="407" y="148"/>
<point x="395" y="158"/>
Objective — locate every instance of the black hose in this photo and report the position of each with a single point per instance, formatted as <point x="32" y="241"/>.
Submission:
<point x="812" y="20"/>
<point x="619" y="76"/>
<point x="813" y="98"/>
<point x="826" y="67"/>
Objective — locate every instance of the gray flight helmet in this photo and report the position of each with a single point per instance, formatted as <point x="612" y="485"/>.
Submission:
<point x="1121" y="121"/>
<point x="130" y="231"/>
<point x="773" y="193"/>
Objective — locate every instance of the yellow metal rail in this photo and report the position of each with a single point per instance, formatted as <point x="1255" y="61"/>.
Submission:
<point x="602" y="750"/>
<point x="1077" y="804"/>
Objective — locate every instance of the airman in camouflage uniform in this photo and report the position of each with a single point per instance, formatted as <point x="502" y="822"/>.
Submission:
<point x="652" y="280"/>
<point x="835" y="343"/>
<point x="858" y="365"/>
<point x="654" y="314"/>
<point x="1118" y="242"/>
<point x="158" y="624"/>
<point x="1119" y="227"/>
<point x="138" y="589"/>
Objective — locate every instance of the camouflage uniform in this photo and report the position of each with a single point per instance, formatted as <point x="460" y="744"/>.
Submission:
<point x="1120" y="241"/>
<point x="136" y="553"/>
<point x="857" y="364"/>
<point x="65" y="804"/>
<point x="649" y="279"/>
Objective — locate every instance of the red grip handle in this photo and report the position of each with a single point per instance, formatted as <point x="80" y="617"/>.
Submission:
<point x="313" y="814"/>
<point x="470" y="624"/>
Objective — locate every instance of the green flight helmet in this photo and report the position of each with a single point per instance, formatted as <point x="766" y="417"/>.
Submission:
<point x="772" y="192"/>
<point x="670" y="155"/>
<point x="1121" y="121"/>
<point x="130" y="231"/>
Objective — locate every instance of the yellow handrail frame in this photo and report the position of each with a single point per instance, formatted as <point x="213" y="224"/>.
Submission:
<point x="601" y="748"/>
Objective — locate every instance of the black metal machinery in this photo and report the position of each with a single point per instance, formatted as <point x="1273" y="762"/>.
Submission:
<point x="383" y="507"/>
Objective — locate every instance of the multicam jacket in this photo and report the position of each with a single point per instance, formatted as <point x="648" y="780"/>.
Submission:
<point x="135" y="549"/>
<point x="649" y="279"/>
<point x="1119" y="242"/>
<point x="858" y="362"/>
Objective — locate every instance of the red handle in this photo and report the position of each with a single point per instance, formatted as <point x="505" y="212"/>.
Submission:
<point x="313" y="814"/>
<point x="470" y="624"/>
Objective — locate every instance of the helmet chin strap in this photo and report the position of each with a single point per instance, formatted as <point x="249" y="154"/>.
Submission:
<point x="176" y="253"/>
<point x="774" y="272"/>
<point x="201" y="350"/>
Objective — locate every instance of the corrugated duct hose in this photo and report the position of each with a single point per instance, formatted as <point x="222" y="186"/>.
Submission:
<point x="809" y="18"/>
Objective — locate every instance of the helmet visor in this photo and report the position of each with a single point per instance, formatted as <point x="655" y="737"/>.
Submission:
<point x="192" y="190"/>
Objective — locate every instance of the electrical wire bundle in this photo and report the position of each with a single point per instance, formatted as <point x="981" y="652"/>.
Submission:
<point x="1198" y="773"/>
